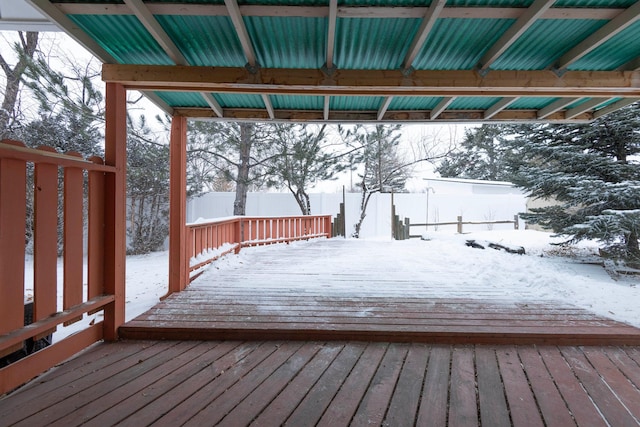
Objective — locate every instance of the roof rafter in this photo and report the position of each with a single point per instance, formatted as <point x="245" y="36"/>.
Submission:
<point x="613" y="27"/>
<point x="331" y="31"/>
<point x="384" y="107"/>
<point x="428" y="21"/>
<point x="442" y="105"/>
<point x="269" y="106"/>
<point x="615" y="106"/>
<point x="499" y="106"/>
<point x="241" y="31"/>
<point x="327" y="104"/>
<point x="555" y="106"/>
<point x="526" y="20"/>
<point x="215" y="106"/>
<point x="376" y="82"/>
<point x="154" y="28"/>
<point x="584" y="107"/>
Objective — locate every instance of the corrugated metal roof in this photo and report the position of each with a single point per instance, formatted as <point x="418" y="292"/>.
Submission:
<point x="414" y="102"/>
<point x="530" y="103"/>
<point x="286" y="102"/>
<point x="473" y="103"/>
<point x="373" y="44"/>
<point x="239" y="100"/>
<point x="211" y="40"/>
<point x="292" y="43"/>
<point x="183" y="99"/>
<point x="544" y="43"/>
<point x="458" y="44"/>
<point x="612" y="53"/>
<point x="124" y="37"/>
<point x="356" y="103"/>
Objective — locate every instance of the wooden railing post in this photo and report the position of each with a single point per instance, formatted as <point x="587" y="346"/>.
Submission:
<point x="460" y="224"/>
<point x="516" y="226"/>
<point x="115" y="207"/>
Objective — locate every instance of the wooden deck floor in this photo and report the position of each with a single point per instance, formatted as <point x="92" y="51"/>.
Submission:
<point x="291" y="293"/>
<point x="232" y="383"/>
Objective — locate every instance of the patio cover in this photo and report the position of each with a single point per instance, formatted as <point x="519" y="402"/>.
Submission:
<point x="366" y="60"/>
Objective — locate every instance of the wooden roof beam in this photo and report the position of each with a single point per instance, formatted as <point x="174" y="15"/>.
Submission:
<point x="613" y="27"/>
<point x="499" y="106"/>
<point x="215" y="106"/>
<point x="428" y="21"/>
<point x="384" y="107"/>
<point x="342" y="11"/>
<point x="584" y="107"/>
<point x="331" y="32"/>
<point x="503" y="83"/>
<point x="615" y="106"/>
<point x="526" y="20"/>
<point x="555" y="107"/>
<point x="442" y="105"/>
<point x="154" y="28"/>
<point x="241" y="31"/>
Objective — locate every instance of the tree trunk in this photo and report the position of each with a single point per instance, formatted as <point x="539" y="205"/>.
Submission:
<point x="14" y="76"/>
<point x="633" y="249"/>
<point x="242" y="182"/>
<point x="366" y="195"/>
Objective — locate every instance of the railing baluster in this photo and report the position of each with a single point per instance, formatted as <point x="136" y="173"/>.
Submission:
<point x="95" y="249"/>
<point x="73" y="241"/>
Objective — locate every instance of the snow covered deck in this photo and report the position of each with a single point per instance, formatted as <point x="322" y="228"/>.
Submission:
<point x="373" y="291"/>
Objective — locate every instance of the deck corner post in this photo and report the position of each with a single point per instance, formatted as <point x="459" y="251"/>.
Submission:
<point x="178" y="257"/>
<point x="115" y="208"/>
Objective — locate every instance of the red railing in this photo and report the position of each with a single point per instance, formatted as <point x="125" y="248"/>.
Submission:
<point x="45" y="166"/>
<point x="207" y="242"/>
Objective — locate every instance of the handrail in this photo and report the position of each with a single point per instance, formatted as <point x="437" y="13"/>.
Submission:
<point x="208" y="241"/>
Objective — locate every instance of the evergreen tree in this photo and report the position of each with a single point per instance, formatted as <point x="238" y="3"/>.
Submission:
<point x="481" y="155"/>
<point x="590" y="171"/>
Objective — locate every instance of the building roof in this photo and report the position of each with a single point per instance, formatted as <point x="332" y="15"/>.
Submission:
<point x="366" y="60"/>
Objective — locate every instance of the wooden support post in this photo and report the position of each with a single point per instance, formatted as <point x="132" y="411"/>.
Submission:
<point x="178" y="258"/>
<point x="115" y="151"/>
<point x="459" y="224"/>
<point x="516" y="226"/>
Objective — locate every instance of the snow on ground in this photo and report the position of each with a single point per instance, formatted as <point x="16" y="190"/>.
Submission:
<point x="444" y="263"/>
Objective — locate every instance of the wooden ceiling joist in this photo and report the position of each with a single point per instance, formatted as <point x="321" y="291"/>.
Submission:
<point x="215" y="106"/>
<point x="555" y="107"/>
<point x="269" y="106"/>
<point x="584" y="107"/>
<point x="428" y="21"/>
<point x="498" y="106"/>
<point x="615" y="106"/>
<point x="331" y="32"/>
<point x="327" y="105"/>
<point x="384" y="107"/>
<point x="376" y="82"/>
<point x="610" y="29"/>
<point x="241" y="31"/>
<point x="526" y="20"/>
<point x="442" y="105"/>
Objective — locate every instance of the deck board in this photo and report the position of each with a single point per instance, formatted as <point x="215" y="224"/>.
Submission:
<point x="330" y="383"/>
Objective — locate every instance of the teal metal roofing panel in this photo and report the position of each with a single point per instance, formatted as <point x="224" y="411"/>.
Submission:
<point x="414" y="102"/>
<point x="239" y="100"/>
<point x="288" y="42"/>
<point x="609" y="102"/>
<point x="210" y="41"/>
<point x="594" y="3"/>
<point x="182" y="99"/>
<point x="613" y="53"/>
<point x="530" y="103"/>
<point x="355" y="103"/>
<point x="472" y="103"/>
<point x="124" y="37"/>
<point x="492" y="3"/>
<point x="373" y="44"/>
<point x="577" y="103"/>
<point x="297" y="102"/>
<point x="459" y="43"/>
<point x="545" y="42"/>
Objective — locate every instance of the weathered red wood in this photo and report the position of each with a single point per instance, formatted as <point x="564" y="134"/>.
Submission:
<point x="115" y="207"/>
<point x="491" y="398"/>
<point x="554" y="410"/>
<point x="15" y="150"/>
<point x="376" y="400"/>
<point x="462" y="394"/>
<point x="435" y="392"/>
<point x="262" y="395"/>
<point x="600" y="392"/>
<point x="284" y="404"/>
<point x="622" y="360"/>
<point x="403" y="408"/>
<point x="95" y="240"/>
<point x="178" y="259"/>
<point x="522" y="403"/>
<point x="320" y="396"/>
<point x="45" y="239"/>
<point x="73" y="238"/>
<point x="577" y="400"/>
<point x="12" y="242"/>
